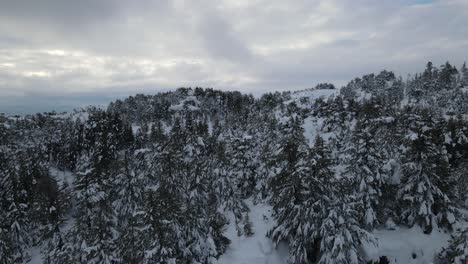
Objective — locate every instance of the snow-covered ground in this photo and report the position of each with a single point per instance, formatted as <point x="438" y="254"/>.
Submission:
<point x="35" y="255"/>
<point x="190" y="103"/>
<point x="314" y="94"/>
<point x="62" y="176"/>
<point x="408" y="245"/>
<point x="400" y="246"/>
<point x="313" y="127"/>
<point x="257" y="249"/>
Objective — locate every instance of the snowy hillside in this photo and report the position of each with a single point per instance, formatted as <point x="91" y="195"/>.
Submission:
<point x="375" y="171"/>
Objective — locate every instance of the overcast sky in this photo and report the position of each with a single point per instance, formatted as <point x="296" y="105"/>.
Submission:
<point x="58" y="54"/>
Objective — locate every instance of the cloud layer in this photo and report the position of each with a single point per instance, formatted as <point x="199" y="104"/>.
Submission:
<point x="112" y="48"/>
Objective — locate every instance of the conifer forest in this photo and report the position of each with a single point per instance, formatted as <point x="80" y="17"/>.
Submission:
<point x="198" y="175"/>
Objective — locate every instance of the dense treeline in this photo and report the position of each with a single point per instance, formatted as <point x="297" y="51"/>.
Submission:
<point x="152" y="177"/>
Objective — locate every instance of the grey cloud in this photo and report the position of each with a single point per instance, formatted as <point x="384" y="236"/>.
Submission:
<point x="344" y="43"/>
<point x="67" y="48"/>
<point x="11" y="42"/>
<point x="60" y="13"/>
<point x="221" y="41"/>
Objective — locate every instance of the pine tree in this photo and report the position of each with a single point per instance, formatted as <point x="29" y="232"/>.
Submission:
<point x="425" y="169"/>
<point x="58" y="249"/>
<point x="464" y="75"/>
<point x="157" y="133"/>
<point x="341" y="235"/>
<point x="240" y="149"/>
<point x="363" y="169"/>
<point x="7" y="248"/>
<point x="461" y="182"/>
<point x="268" y="140"/>
<point x="248" y="231"/>
<point x="92" y="238"/>
<point x="163" y="234"/>
<point x="16" y="226"/>
<point x="395" y="93"/>
<point x="457" y="251"/>
<point x="224" y="181"/>
<point x="217" y="226"/>
<point x="447" y="76"/>
<point x="196" y="194"/>
<point x="427" y="82"/>
<point x="129" y="185"/>
<point x="291" y="164"/>
<point x="324" y="227"/>
<point x="158" y="230"/>
<point x="293" y="201"/>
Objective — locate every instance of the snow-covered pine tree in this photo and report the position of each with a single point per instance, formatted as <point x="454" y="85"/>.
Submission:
<point x="447" y="78"/>
<point x="176" y="220"/>
<point x="363" y="165"/>
<point x="47" y="201"/>
<point x="338" y="232"/>
<point x="267" y="141"/>
<point x="341" y="234"/>
<point x="195" y="171"/>
<point x="242" y="161"/>
<point x="248" y="229"/>
<point x="460" y="175"/>
<point x="158" y="229"/>
<point x="425" y="170"/>
<point x="395" y="92"/>
<point x="290" y="191"/>
<point x="55" y="249"/>
<point x="158" y="135"/>
<point x="457" y="251"/>
<point x="161" y="232"/>
<point x="217" y="228"/>
<point x="324" y="226"/>
<point x="292" y="164"/>
<point x="14" y="236"/>
<point x="429" y="78"/>
<point x="129" y="184"/>
<point x="29" y="203"/>
<point x="464" y="75"/>
<point x="93" y="236"/>
<point x="455" y="132"/>
<point x="224" y="181"/>
<point x="222" y="194"/>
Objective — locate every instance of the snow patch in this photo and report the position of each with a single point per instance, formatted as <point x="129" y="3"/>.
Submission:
<point x="190" y="103"/>
<point x="407" y="245"/>
<point x="256" y="249"/>
<point x="62" y="176"/>
<point x="310" y="129"/>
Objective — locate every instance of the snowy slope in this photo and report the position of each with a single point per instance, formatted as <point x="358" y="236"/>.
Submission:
<point x="401" y="246"/>
<point x="312" y="125"/>
<point x="257" y="249"/>
<point x="315" y="93"/>
<point x="311" y="95"/>
<point x="408" y="245"/>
